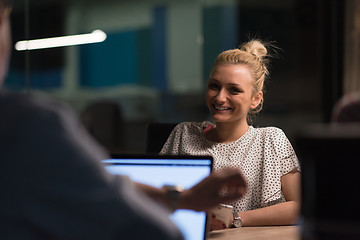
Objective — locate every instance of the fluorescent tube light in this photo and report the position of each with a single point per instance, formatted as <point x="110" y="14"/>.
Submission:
<point x="94" y="37"/>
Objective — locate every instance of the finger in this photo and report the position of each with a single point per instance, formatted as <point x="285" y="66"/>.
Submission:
<point x="230" y="179"/>
<point x="229" y="197"/>
<point x="231" y="175"/>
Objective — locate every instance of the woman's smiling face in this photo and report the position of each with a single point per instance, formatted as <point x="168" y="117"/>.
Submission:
<point x="230" y="93"/>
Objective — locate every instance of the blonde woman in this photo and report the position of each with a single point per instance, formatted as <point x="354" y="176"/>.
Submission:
<point x="265" y="155"/>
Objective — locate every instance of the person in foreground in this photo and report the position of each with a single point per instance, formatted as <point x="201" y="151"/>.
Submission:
<point x="265" y="155"/>
<point x="53" y="185"/>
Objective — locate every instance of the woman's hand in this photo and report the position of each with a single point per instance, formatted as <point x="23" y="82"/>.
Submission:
<point x="220" y="217"/>
<point x="216" y="224"/>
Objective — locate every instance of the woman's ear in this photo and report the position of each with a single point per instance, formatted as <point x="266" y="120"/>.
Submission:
<point x="256" y="100"/>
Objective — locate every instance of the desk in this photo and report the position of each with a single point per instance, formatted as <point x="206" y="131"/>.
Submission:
<point x="257" y="233"/>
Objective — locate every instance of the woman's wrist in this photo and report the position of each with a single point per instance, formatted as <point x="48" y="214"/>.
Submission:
<point x="237" y="220"/>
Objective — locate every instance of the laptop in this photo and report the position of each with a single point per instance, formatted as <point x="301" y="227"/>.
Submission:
<point x="159" y="170"/>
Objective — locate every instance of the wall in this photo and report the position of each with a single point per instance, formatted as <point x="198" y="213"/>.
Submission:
<point x="158" y="55"/>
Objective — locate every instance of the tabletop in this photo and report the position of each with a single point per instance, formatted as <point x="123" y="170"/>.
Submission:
<point x="258" y="233"/>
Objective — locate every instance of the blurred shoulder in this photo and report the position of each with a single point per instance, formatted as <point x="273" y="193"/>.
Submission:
<point x="19" y="103"/>
<point x="36" y="110"/>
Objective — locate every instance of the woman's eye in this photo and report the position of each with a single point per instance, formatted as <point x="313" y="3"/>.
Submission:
<point x="213" y="86"/>
<point x="234" y="91"/>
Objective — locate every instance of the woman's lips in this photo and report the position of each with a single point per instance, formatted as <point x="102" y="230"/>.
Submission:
<point x="221" y="108"/>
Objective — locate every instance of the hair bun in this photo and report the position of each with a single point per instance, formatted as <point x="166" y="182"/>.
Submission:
<point x="255" y="47"/>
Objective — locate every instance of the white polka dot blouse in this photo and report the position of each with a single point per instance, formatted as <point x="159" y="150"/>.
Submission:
<point x="263" y="155"/>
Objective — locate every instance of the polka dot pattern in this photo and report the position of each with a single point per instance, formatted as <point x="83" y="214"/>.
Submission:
<point x="263" y="155"/>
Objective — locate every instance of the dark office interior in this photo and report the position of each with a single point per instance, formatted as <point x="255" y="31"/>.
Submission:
<point x="149" y="69"/>
<point x="154" y="64"/>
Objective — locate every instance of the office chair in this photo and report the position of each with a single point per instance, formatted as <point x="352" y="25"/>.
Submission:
<point x="157" y="134"/>
<point x="103" y="119"/>
<point x="347" y="109"/>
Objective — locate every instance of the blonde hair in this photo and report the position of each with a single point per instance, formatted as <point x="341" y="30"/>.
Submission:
<point x="254" y="55"/>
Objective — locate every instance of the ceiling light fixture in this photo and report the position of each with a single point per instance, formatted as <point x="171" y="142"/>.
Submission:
<point x="93" y="37"/>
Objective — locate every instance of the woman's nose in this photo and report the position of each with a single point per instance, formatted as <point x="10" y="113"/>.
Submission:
<point x="221" y="96"/>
